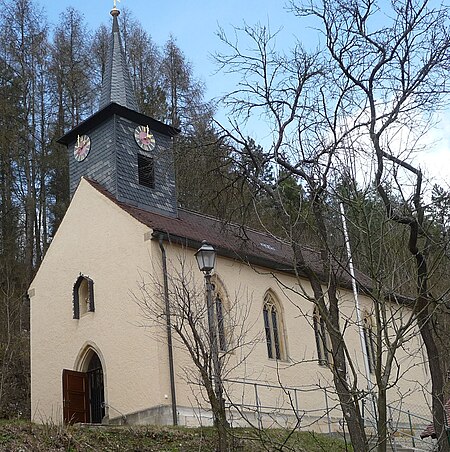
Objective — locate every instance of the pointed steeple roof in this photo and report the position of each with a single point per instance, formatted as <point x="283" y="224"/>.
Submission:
<point x="117" y="85"/>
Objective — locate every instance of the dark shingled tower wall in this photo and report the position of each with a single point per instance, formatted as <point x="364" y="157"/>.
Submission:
<point x="113" y="157"/>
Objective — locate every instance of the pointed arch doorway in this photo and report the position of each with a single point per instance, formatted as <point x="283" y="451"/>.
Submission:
<point x="84" y="392"/>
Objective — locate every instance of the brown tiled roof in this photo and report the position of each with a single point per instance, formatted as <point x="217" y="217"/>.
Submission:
<point x="230" y="240"/>
<point x="429" y="431"/>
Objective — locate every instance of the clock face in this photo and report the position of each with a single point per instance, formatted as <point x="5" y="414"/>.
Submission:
<point x="144" y="138"/>
<point x="82" y="148"/>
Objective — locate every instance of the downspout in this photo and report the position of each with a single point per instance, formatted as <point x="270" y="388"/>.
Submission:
<point x="169" y="332"/>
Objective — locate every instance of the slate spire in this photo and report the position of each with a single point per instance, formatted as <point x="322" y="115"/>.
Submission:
<point x="117" y="85"/>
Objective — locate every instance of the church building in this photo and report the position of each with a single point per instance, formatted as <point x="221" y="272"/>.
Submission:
<point x="95" y="358"/>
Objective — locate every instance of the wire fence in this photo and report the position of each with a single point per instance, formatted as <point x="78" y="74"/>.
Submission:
<point x="405" y="425"/>
<point x="269" y="405"/>
<point x="317" y="408"/>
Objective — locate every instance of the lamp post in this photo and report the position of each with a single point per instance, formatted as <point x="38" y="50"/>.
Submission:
<point x="206" y="259"/>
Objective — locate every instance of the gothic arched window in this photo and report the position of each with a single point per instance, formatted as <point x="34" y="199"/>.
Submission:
<point x="221" y="337"/>
<point x="324" y="355"/>
<point x="370" y="342"/>
<point x="273" y="326"/>
<point x="220" y="313"/>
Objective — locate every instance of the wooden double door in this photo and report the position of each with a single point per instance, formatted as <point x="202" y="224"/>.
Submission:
<point x="84" y="394"/>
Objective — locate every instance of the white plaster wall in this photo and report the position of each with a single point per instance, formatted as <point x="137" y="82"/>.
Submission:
<point x="103" y="242"/>
<point x="247" y="286"/>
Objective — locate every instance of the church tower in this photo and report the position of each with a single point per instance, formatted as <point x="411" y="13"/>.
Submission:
<point x="126" y="152"/>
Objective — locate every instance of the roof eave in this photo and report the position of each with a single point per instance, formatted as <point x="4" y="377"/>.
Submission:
<point x="224" y="252"/>
<point x="259" y="261"/>
<point x="116" y="109"/>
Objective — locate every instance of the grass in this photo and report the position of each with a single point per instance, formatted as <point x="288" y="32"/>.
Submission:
<point x="23" y="436"/>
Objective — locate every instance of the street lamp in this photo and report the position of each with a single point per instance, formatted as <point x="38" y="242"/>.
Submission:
<point x="206" y="259"/>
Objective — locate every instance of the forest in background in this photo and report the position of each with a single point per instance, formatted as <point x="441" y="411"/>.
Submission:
<point x="50" y="81"/>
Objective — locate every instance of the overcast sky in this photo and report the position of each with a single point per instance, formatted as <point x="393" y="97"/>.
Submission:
<point x="195" y="23"/>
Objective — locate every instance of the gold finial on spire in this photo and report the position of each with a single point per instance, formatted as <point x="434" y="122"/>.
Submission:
<point x="115" y="11"/>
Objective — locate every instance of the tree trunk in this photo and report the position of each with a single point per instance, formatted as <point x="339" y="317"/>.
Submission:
<point x="347" y="398"/>
<point x="437" y="381"/>
<point x="352" y="416"/>
<point x="382" y="431"/>
<point x="222" y="430"/>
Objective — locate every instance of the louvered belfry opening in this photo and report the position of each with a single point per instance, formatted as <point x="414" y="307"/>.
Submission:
<point x="146" y="171"/>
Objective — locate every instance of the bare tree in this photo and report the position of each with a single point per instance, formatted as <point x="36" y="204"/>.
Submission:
<point x="286" y="89"/>
<point x="397" y="77"/>
<point x="365" y="84"/>
<point x="207" y="330"/>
